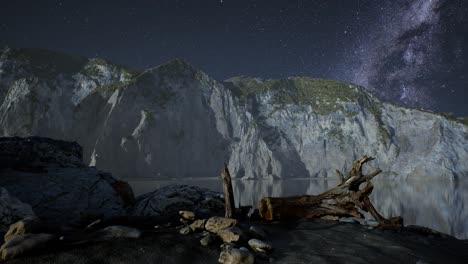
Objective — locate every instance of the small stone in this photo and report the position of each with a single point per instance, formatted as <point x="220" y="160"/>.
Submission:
<point x="259" y="245"/>
<point x="257" y="232"/>
<point x="207" y="240"/>
<point x="230" y="234"/>
<point x="236" y="256"/>
<point x="216" y="223"/>
<point x="244" y="249"/>
<point x="185" y="230"/>
<point x="348" y="220"/>
<point x="20" y="244"/>
<point x="184" y="221"/>
<point x="187" y="215"/>
<point x="198" y="225"/>
<point x="330" y="217"/>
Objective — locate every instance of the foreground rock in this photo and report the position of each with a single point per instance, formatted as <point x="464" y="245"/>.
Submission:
<point x="174" y="198"/>
<point x="231" y="255"/>
<point x="198" y="225"/>
<point x="12" y="209"/>
<point x="259" y="245"/>
<point x="187" y="215"/>
<point x="314" y="241"/>
<point x="50" y="175"/>
<point x="230" y="234"/>
<point x="216" y="223"/>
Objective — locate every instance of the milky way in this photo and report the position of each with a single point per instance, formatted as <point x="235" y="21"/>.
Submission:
<point x="410" y="52"/>
<point x="411" y="58"/>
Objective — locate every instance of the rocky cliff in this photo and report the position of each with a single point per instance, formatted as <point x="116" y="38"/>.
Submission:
<point x="50" y="180"/>
<point x="174" y="121"/>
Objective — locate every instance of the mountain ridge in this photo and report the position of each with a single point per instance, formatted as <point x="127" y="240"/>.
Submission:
<point x="174" y="121"/>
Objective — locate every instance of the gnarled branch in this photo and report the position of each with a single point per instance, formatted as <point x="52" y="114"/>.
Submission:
<point x="343" y="200"/>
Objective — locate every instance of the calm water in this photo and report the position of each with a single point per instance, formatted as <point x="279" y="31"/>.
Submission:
<point x="439" y="204"/>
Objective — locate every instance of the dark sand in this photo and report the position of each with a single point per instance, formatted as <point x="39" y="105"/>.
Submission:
<point x="314" y="241"/>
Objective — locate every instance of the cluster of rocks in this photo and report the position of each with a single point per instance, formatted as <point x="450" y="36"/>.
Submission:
<point x="240" y="243"/>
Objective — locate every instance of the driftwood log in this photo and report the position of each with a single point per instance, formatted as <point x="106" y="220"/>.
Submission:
<point x="228" y="193"/>
<point x="345" y="200"/>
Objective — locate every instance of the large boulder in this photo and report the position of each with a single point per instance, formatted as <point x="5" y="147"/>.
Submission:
<point x="12" y="209"/>
<point x="50" y="175"/>
<point x="174" y="198"/>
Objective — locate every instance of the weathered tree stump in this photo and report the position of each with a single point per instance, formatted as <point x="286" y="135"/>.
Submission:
<point x="342" y="201"/>
<point x="228" y="193"/>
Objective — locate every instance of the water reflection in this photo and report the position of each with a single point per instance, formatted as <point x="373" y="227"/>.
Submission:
<point x="439" y="204"/>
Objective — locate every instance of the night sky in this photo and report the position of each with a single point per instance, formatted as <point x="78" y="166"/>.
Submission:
<point x="412" y="52"/>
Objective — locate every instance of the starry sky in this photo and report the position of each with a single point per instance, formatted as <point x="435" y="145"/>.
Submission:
<point x="410" y="52"/>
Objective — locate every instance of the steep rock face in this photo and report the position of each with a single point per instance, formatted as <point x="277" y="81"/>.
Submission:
<point x="322" y="125"/>
<point x="39" y="90"/>
<point x="51" y="177"/>
<point x="174" y="121"/>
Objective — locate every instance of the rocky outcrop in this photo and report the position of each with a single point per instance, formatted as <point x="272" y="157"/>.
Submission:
<point x="171" y="199"/>
<point x="174" y="121"/>
<point x="51" y="177"/>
